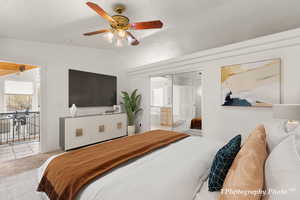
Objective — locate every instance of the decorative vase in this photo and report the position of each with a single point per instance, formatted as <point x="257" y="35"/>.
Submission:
<point x="73" y="110"/>
<point x="131" y="130"/>
<point x="117" y="108"/>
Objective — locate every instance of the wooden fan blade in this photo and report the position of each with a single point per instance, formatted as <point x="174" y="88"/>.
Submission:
<point x="146" y="25"/>
<point x="96" y="32"/>
<point x="133" y="40"/>
<point x="100" y="11"/>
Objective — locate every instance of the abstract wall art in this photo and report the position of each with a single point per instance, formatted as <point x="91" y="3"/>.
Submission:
<point x="254" y="84"/>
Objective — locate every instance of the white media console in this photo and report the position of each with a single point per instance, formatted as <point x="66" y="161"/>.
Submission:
<point x="89" y="129"/>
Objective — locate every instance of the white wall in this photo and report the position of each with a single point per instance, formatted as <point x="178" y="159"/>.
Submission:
<point x="198" y="89"/>
<point x="55" y="60"/>
<point x="224" y="122"/>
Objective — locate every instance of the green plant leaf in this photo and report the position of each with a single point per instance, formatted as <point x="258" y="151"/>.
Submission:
<point x="132" y="105"/>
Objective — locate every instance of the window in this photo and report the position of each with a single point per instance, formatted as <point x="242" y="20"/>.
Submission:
<point x="18" y="95"/>
<point x="18" y="87"/>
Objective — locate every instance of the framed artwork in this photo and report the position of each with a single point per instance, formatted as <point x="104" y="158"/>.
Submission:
<point x="256" y="84"/>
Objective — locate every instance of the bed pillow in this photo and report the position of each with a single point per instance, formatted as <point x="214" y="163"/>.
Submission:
<point x="282" y="170"/>
<point x="247" y="171"/>
<point x="222" y="162"/>
<point x="275" y="133"/>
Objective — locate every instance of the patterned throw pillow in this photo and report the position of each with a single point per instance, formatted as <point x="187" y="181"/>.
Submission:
<point x="222" y="162"/>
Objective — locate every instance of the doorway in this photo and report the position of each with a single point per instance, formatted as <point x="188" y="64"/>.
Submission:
<point x="176" y="102"/>
<point x="19" y="110"/>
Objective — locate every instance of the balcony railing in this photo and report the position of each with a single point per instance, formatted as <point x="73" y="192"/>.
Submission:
<point x="19" y="126"/>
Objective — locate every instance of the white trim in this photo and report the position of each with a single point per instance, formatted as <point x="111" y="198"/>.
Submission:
<point x="271" y="42"/>
<point x="43" y="109"/>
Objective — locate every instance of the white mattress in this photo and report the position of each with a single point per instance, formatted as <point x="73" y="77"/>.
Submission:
<point x="170" y="173"/>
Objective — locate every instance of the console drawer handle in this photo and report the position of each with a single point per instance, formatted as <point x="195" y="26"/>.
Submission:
<point x="101" y="128"/>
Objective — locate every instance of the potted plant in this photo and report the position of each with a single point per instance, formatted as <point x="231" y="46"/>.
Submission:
<point x="132" y="105"/>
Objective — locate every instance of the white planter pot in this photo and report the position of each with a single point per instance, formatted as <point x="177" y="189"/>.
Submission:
<point x="131" y="130"/>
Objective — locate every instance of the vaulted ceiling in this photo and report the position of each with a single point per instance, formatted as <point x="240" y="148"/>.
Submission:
<point x="190" y="25"/>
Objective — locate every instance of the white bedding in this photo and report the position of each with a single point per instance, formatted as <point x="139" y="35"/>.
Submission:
<point x="170" y="173"/>
<point x="204" y="194"/>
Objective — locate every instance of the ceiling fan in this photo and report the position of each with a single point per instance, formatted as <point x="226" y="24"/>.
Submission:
<point x="120" y="25"/>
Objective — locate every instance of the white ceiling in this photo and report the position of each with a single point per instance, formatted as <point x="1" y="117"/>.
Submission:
<point x="190" y="25"/>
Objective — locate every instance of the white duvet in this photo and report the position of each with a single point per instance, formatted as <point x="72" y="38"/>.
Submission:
<point x="170" y="173"/>
<point x="204" y="194"/>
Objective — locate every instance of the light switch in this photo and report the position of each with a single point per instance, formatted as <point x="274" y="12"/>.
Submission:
<point x="79" y="132"/>
<point x="101" y="128"/>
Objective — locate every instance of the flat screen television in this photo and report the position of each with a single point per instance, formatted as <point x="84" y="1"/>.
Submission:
<point x="90" y="89"/>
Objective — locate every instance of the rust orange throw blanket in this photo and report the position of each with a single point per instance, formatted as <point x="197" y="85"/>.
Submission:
<point x="67" y="174"/>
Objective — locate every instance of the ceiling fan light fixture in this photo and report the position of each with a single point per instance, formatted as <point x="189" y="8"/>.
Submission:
<point x="110" y="36"/>
<point x="119" y="42"/>
<point x="121" y="33"/>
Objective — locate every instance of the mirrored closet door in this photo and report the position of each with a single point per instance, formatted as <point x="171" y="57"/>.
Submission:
<point x="161" y="102"/>
<point x="176" y="102"/>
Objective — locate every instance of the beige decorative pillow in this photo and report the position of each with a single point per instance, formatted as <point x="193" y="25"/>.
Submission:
<point x="245" y="179"/>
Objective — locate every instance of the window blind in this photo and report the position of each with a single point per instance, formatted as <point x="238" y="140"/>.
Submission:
<point x="18" y="87"/>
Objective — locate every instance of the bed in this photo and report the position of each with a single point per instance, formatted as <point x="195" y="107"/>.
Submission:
<point x="179" y="170"/>
<point x="175" y="172"/>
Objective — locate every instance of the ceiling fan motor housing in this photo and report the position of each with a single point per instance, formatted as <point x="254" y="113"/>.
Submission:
<point x="122" y="22"/>
<point x="22" y="68"/>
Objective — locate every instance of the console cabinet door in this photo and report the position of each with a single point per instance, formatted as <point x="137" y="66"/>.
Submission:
<point x="76" y="133"/>
<point x="118" y="126"/>
<point x="102" y="129"/>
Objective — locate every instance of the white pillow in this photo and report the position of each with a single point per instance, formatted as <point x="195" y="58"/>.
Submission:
<point x="275" y="133"/>
<point x="282" y="170"/>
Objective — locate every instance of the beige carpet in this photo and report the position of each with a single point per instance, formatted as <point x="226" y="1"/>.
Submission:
<point x="19" y="178"/>
<point x="14" y="167"/>
<point x="20" y="187"/>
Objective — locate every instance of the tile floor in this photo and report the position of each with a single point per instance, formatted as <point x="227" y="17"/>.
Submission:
<point x="18" y="150"/>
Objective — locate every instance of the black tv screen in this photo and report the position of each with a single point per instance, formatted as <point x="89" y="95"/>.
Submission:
<point x="90" y="89"/>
